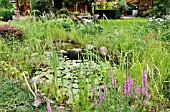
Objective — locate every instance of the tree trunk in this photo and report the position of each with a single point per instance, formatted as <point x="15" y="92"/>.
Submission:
<point x="17" y="4"/>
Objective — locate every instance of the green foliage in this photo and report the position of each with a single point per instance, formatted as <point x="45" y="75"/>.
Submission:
<point x="5" y="4"/>
<point x="15" y="97"/>
<point x="73" y="81"/>
<point x="90" y="29"/>
<point x="107" y="5"/>
<point x="159" y="8"/>
<point x="6" y="14"/>
<point x="65" y="23"/>
<point x="41" y="5"/>
<point x="168" y="6"/>
<point x="35" y="13"/>
<point x="160" y="25"/>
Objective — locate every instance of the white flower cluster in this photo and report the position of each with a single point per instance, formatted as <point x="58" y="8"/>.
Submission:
<point x="159" y="20"/>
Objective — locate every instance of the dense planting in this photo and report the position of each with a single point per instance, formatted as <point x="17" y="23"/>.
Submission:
<point x="120" y="65"/>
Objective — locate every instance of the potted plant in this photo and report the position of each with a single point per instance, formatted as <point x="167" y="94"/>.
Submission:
<point x="123" y="7"/>
<point x="134" y="8"/>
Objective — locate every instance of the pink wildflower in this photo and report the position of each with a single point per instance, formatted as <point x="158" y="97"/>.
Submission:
<point x="101" y="97"/>
<point x="49" y="107"/>
<point x="104" y="86"/>
<point x="114" y="82"/>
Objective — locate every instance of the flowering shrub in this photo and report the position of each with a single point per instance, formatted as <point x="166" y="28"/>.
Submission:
<point x="8" y="32"/>
<point x="160" y="26"/>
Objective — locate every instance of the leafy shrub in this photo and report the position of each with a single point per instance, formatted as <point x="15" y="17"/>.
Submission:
<point x="6" y="14"/>
<point x="159" y="8"/>
<point x="8" y="32"/>
<point x="41" y="5"/>
<point x="6" y="4"/>
<point x="90" y="29"/>
<point x="63" y="11"/>
<point x="65" y="23"/>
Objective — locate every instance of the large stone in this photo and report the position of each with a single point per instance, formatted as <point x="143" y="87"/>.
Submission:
<point x="103" y="51"/>
<point x="74" y="53"/>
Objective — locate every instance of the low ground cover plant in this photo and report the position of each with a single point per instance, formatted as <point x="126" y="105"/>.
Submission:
<point x="10" y="32"/>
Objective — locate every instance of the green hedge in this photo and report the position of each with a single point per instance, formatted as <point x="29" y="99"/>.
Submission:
<point x="6" y="14"/>
<point x="110" y="14"/>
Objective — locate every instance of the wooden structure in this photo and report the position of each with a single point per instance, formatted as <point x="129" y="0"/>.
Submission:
<point x="79" y="6"/>
<point x="143" y="5"/>
<point x="21" y="9"/>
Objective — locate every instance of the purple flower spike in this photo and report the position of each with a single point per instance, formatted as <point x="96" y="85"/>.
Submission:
<point x="127" y="86"/>
<point x="144" y="79"/>
<point x="137" y="90"/>
<point x="145" y="92"/>
<point x="104" y="86"/>
<point x="114" y="82"/>
<point x="49" y="107"/>
<point x="101" y="97"/>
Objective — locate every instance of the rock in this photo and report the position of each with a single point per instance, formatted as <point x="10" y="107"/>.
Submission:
<point x="74" y="54"/>
<point x="76" y="50"/>
<point x="103" y="51"/>
<point x="114" y="27"/>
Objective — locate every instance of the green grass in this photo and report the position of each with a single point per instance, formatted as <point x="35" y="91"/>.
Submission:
<point x="123" y="22"/>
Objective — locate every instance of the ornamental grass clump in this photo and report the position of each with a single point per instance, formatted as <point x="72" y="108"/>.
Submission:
<point x="9" y="32"/>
